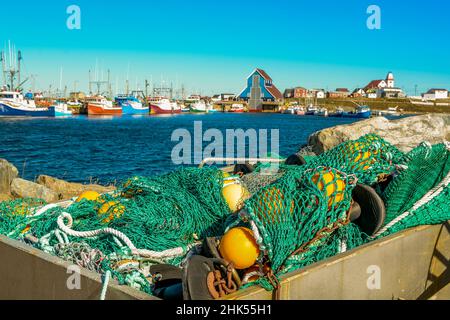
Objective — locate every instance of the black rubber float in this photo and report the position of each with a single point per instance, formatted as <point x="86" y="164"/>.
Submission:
<point x="243" y="168"/>
<point x="167" y="281"/>
<point x="373" y="211"/>
<point x="295" y="160"/>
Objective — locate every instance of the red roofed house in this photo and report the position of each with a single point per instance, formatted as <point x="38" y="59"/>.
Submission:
<point x="339" y="93"/>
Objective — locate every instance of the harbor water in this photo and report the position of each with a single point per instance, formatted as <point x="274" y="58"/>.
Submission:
<point x="110" y="149"/>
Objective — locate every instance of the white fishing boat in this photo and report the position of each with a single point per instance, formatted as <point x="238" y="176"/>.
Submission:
<point x="199" y="107"/>
<point x="13" y="104"/>
<point x="290" y="110"/>
<point x="237" y="108"/>
<point x="193" y="98"/>
<point x="161" y="105"/>
<point x="323" y="112"/>
<point x="391" y="112"/>
<point x="311" y="110"/>
<point x="62" y="109"/>
<point x="300" y="111"/>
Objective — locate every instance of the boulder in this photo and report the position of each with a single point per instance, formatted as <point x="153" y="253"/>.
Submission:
<point x="8" y="173"/>
<point x="5" y="197"/>
<point x="67" y="190"/>
<point x="405" y="133"/>
<point x="21" y="188"/>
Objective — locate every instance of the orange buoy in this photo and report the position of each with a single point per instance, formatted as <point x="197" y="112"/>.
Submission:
<point x="239" y="246"/>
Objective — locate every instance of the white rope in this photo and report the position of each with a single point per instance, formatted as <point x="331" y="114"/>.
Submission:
<point x="105" y="285"/>
<point x="45" y="209"/>
<point x="433" y="193"/>
<point x="251" y="274"/>
<point x="170" y="253"/>
<point x="342" y="246"/>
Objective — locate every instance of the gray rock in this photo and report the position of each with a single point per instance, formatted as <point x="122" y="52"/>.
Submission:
<point x="67" y="190"/>
<point x="404" y="133"/>
<point x="8" y="173"/>
<point x="21" y="188"/>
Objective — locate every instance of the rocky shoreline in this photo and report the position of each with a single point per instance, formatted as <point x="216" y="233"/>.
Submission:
<point x="47" y="188"/>
<point x="404" y="133"/>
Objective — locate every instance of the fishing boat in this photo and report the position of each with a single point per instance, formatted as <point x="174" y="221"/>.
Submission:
<point x="237" y="108"/>
<point x="289" y="110"/>
<point x="323" y="112"/>
<point x="361" y="112"/>
<point x="311" y="110"/>
<point x="199" y="107"/>
<point x="62" y="110"/>
<point x="193" y="98"/>
<point x="98" y="105"/>
<point x="184" y="108"/>
<point x="13" y="104"/>
<point x="391" y="112"/>
<point x="160" y="105"/>
<point x="338" y="113"/>
<point x="131" y="105"/>
<point x="300" y="111"/>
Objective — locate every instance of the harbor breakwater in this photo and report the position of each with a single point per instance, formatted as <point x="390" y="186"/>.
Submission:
<point x="403" y="133"/>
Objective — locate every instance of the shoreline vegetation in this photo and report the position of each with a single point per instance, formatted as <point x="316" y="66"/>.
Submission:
<point x="404" y="133"/>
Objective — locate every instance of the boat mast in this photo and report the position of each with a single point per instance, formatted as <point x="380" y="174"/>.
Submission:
<point x="2" y="58"/>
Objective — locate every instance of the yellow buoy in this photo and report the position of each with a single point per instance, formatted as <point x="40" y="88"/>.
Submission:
<point x="115" y="210"/>
<point x="331" y="183"/>
<point x="226" y="174"/>
<point x="89" y="196"/>
<point x="239" y="246"/>
<point x="235" y="195"/>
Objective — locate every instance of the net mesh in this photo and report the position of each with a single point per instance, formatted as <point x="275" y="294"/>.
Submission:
<point x="300" y="214"/>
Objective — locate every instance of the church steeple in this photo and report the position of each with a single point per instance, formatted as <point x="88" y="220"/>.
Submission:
<point x="390" y="81"/>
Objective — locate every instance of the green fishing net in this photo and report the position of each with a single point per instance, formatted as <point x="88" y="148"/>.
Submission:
<point x="300" y="214"/>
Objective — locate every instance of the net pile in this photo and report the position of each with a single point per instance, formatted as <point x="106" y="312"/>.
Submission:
<point x="302" y="217"/>
<point x="299" y="215"/>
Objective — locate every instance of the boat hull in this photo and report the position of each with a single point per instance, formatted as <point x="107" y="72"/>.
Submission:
<point x="63" y="113"/>
<point x="128" y="109"/>
<point x="10" y="111"/>
<point x="100" y="110"/>
<point x="154" y="109"/>
<point x="359" y="115"/>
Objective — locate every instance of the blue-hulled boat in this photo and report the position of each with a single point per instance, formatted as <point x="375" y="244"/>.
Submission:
<point x="13" y="104"/>
<point x="131" y="105"/>
<point x="361" y="112"/>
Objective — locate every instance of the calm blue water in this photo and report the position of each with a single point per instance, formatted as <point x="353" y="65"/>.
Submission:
<point x="112" y="149"/>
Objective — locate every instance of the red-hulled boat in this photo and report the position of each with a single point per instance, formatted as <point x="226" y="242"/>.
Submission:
<point x="98" y="105"/>
<point x="159" y="105"/>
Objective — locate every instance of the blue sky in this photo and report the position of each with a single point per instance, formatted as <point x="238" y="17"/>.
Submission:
<point x="213" y="45"/>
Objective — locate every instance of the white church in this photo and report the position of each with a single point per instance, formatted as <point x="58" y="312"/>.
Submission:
<point x="384" y="88"/>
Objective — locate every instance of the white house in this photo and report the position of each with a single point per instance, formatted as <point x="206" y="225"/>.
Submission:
<point x="317" y="93"/>
<point x="434" y="94"/>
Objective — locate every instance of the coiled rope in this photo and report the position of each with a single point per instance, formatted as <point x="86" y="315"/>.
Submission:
<point x="167" y="254"/>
